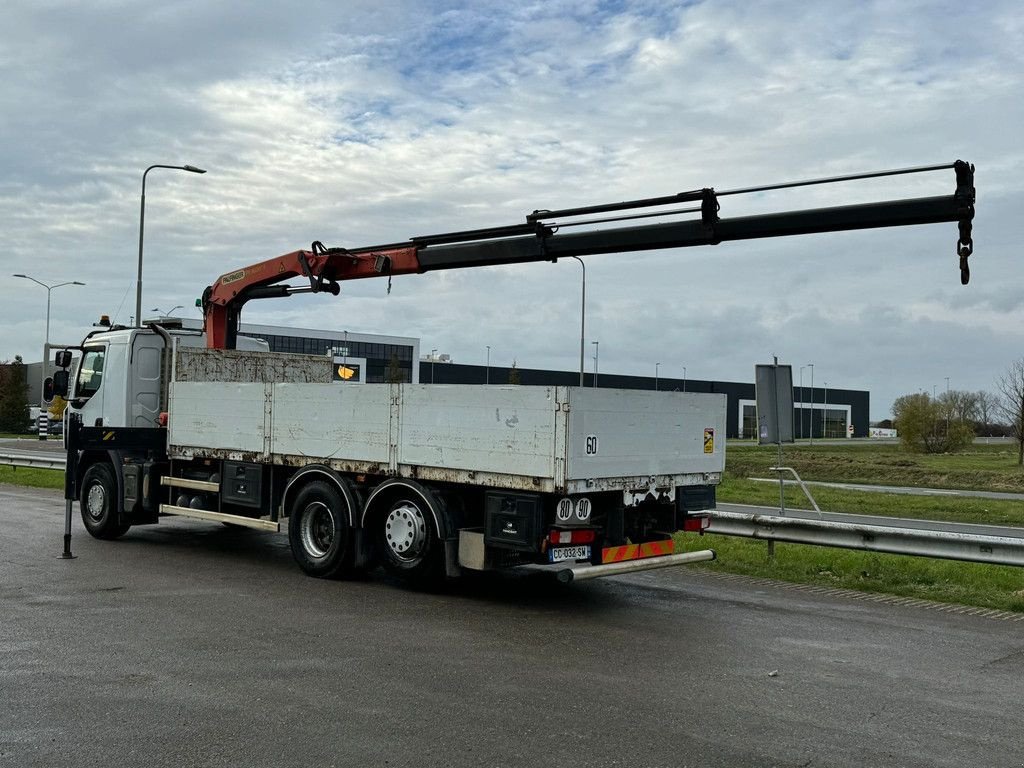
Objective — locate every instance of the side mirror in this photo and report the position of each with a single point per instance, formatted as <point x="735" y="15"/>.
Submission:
<point x="62" y="359"/>
<point x="56" y="385"/>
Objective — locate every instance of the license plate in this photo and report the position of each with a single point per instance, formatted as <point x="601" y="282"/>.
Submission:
<point x="561" y="554"/>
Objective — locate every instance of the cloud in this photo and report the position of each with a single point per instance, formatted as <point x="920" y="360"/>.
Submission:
<point x="368" y="123"/>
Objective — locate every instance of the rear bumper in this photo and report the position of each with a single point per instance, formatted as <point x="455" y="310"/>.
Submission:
<point x="584" y="572"/>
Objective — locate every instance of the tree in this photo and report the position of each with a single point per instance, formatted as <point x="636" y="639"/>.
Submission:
<point x="988" y="407"/>
<point x="513" y="374"/>
<point x="1011" y="406"/>
<point x="960" y="404"/>
<point x="393" y="374"/>
<point x="14" y="408"/>
<point x="922" y="425"/>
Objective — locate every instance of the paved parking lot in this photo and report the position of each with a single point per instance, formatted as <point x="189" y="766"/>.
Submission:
<point x="195" y="644"/>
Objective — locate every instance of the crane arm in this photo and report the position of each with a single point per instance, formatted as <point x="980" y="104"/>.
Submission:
<point x="543" y="237"/>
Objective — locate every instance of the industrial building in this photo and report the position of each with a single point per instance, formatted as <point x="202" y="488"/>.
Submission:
<point x="373" y="358"/>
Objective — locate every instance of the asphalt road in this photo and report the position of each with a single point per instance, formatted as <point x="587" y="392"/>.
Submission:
<point x="195" y="644"/>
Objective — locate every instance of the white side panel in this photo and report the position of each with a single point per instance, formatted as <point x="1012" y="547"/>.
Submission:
<point x="643" y="434"/>
<point x="502" y="430"/>
<point x="331" y="421"/>
<point x="227" y="416"/>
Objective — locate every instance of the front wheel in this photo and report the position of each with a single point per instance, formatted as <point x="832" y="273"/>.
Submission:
<point x="98" y="502"/>
<point x="319" y="531"/>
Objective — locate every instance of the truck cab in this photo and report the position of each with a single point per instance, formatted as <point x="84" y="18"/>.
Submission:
<point x="121" y="379"/>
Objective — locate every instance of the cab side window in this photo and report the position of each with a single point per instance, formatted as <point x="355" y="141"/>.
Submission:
<point x="90" y="373"/>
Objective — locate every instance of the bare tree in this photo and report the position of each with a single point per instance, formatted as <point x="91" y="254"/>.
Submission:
<point x="988" y="406"/>
<point x="1011" y="407"/>
<point x="964" y="405"/>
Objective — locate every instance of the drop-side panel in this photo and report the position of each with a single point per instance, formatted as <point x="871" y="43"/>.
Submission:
<point x="618" y="433"/>
<point x="220" y="415"/>
<point x="336" y="422"/>
<point x="200" y="364"/>
<point x="488" y="430"/>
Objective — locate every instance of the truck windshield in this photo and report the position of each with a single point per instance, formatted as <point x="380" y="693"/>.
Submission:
<point x="90" y="373"/>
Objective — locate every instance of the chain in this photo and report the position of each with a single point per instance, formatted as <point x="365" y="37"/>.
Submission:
<point x="964" y="248"/>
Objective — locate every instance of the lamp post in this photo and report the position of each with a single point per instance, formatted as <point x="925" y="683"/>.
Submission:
<point x="433" y="357"/>
<point x="583" y="312"/>
<point x="487" y="375"/>
<point x="142" y="222"/>
<point x="656" y="366"/>
<point x="597" y="349"/>
<point x="684" y="378"/>
<point x="46" y="340"/>
<point x="811" y="366"/>
<point x="949" y="406"/>
<point x="167" y="313"/>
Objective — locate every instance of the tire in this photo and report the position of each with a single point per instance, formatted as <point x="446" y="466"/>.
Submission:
<point x="407" y="540"/>
<point x="98" y="502"/>
<point x="319" y="532"/>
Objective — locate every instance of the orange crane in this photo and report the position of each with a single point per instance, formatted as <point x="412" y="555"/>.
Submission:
<point x="548" y="235"/>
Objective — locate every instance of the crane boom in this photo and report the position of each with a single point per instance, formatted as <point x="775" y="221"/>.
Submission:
<point x="542" y="238"/>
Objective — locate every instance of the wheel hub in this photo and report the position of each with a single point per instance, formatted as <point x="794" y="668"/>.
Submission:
<point x="95" y="501"/>
<point x="317" y="530"/>
<point x="405" y="530"/>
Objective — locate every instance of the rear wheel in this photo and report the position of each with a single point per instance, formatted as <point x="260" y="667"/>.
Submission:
<point x="319" y="531"/>
<point x="98" y="502"/>
<point x="408" y="542"/>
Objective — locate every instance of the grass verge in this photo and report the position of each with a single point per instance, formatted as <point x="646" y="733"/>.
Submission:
<point x="982" y="467"/>
<point x="960" y="509"/>
<point x="945" y="581"/>
<point x="30" y="476"/>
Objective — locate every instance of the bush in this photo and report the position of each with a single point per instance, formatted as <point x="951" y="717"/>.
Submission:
<point x="924" y="425"/>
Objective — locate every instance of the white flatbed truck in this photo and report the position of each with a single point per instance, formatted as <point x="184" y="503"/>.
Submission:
<point x="429" y="479"/>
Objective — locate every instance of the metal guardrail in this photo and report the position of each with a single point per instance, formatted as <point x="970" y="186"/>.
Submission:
<point x="896" y="540"/>
<point x="33" y="460"/>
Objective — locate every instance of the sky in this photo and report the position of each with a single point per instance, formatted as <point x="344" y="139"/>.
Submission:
<point x="358" y="123"/>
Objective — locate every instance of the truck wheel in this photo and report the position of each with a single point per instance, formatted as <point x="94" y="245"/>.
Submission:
<point x="98" y="502"/>
<point x="408" y="542"/>
<point x="319" y="532"/>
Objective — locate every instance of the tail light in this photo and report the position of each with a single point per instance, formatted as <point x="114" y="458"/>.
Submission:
<point x="696" y="523"/>
<point x="575" y="536"/>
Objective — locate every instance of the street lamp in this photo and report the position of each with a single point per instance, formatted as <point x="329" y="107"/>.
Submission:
<point x="656" y="366"/>
<point x="46" y="341"/>
<point x="597" y="349"/>
<point x="684" y="378"/>
<point x="811" y="366"/>
<point x="167" y="313"/>
<point x="433" y="356"/>
<point x="583" y="312"/>
<point x="948" y="406"/>
<point x="142" y="221"/>
<point x="487" y="375"/>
